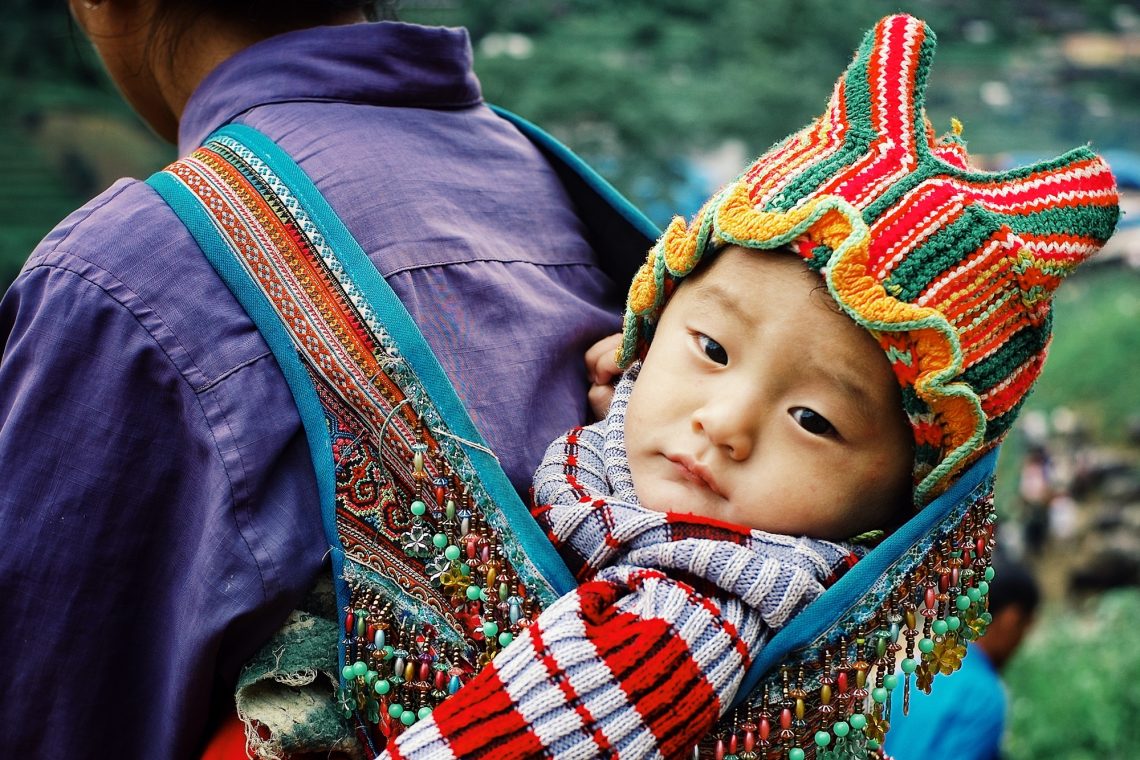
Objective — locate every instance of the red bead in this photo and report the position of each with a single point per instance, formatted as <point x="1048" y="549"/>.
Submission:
<point x="765" y="729"/>
<point x="841" y="682"/>
<point x="440" y="679"/>
<point x="425" y="671"/>
<point x="719" y="749"/>
<point x="930" y="597"/>
<point x="732" y="744"/>
<point x="786" y="718"/>
<point x="350" y="623"/>
<point x="439" y="494"/>
<point x="981" y="546"/>
<point x="750" y="740"/>
<point x="943" y="582"/>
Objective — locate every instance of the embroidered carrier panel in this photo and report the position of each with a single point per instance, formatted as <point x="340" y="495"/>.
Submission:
<point x="431" y="583"/>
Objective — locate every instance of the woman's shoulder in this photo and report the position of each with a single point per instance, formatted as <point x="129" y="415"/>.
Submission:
<point x="126" y="246"/>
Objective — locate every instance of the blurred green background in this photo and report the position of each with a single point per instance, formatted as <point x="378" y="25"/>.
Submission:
<point x="668" y="99"/>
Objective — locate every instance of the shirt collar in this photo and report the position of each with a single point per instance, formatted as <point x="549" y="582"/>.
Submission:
<point x="386" y="63"/>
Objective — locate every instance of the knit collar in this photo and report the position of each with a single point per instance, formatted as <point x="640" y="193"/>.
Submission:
<point x="616" y="459"/>
<point x="388" y="64"/>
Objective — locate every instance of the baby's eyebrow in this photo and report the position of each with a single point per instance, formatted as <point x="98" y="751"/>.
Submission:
<point x="851" y="387"/>
<point x="716" y="296"/>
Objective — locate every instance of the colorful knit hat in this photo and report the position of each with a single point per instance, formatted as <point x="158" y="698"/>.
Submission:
<point x="950" y="268"/>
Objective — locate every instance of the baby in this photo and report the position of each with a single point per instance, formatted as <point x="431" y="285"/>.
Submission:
<point x="833" y="339"/>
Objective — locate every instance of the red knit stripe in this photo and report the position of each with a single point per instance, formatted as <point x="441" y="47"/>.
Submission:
<point x="656" y="670"/>
<point x="1002" y="400"/>
<point x="589" y="724"/>
<point x="1024" y="195"/>
<point x="895" y="235"/>
<point x="891" y="85"/>
<point x="994" y="332"/>
<point x="467" y="719"/>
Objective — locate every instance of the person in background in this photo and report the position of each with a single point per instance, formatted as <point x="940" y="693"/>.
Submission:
<point x="964" y="716"/>
<point x="158" y="504"/>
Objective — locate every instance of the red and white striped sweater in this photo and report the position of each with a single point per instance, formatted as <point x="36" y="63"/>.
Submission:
<point x="644" y="656"/>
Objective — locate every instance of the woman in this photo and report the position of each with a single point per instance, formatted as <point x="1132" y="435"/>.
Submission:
<point x="157" y="508"/>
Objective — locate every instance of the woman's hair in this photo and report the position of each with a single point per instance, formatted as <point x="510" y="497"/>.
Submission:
<point x="271" y="16"/>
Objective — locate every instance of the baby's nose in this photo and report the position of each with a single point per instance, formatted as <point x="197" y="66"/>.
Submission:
<point x="728" y="426"/>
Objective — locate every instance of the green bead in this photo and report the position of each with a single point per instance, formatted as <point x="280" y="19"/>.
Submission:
<point x="909" y="665"/>
<point x="407" y="717"/>
<point x="872" y="745"/>
<point x="473" y="593"/>
<point x="359" y="668"/>
<point x="822" y="738"/>
<point x="953" y="622"/>
<point x="451" y="509"/>
<point x="879" y="694"/>
<point x="939" y="627"/>
<point x="891" y="682"/>
<point x="348" y="673"/>
<point x="370" y="676"/>
<point x="986" y="618"/>
<point x="418" y="508"/>
<point x="423" y="712"/>
<point x="926" y="646"/>
<point x="483" y="594"/>
<point x="989" y="573"/>
<point x="504" y="592"/>
<point x="505" y="638"/>
<point x="383" y="686"/>
<point x="962" y="602"/>
<point x="464" y="569"/>
<point x="842" y="728"/>
<point x="973" y="594"/>
<point x="983" y="588"/>
<point x="395" y="709"/>
<point x="858" y="721"/>
<point x="389" y="652"/>
<point x="440" y="540"/>
<point x="490" y="629"/>
<point x="795" y="753"/>
<point x="451" y="552"/>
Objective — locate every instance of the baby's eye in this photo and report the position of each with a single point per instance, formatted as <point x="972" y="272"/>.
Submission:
<point x="712" y="349"/>
<point x="812" y="421"/>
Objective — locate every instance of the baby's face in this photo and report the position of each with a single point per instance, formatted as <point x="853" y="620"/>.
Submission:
<point x="761" y="404"/>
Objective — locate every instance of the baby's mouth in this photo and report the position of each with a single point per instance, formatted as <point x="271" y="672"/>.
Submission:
<point x="692" y="470"/>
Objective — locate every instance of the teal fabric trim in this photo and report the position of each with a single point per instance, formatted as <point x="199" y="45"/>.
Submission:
<point x="181" y="199"/>
<point x="821" y="614"/>
<point x="596" y="182"/>
<point x="400" y="325"/>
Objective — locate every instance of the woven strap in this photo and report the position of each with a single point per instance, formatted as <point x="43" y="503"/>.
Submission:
<point x="421" y="519"/>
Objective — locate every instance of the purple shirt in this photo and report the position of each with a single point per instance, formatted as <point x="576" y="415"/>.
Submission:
<point x="158" y="511"/>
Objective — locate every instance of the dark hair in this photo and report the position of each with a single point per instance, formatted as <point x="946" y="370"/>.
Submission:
<point x="271" y="16"/>
<point x="1013" y="584"/>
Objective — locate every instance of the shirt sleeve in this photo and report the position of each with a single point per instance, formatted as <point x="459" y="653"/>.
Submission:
<point x="632" y="663"/>
<point x="125" y="576"/>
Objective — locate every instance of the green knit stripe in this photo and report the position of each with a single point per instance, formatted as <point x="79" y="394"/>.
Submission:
<point x="999" y="365"/>
<point x="943" y="250"/>
<point x="999" y="426"/>
<point x="860" y="132"/>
